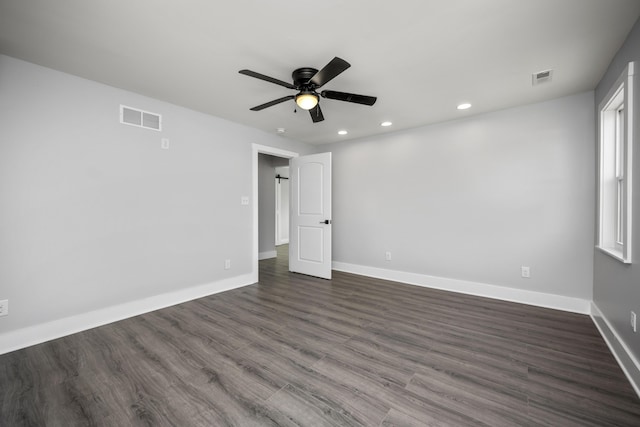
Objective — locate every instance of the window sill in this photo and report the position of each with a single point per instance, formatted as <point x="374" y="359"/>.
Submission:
<point x="615" y="253"/>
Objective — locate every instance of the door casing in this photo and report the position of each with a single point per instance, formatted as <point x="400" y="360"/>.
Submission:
<point x="272" y="151"/>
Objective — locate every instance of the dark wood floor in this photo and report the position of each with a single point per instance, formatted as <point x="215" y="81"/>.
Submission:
<point x="295" y="350"/>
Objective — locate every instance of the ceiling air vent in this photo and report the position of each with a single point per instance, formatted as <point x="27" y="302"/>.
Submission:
<point x="542" y="77"/>
<point x="144" y="119"/>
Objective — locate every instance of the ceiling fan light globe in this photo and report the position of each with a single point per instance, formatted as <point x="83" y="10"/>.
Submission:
<point x="306" y="101"/>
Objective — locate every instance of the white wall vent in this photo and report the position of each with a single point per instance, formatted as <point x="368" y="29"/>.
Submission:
<point x="542" y="77"/>
<point x="144" y="119"/>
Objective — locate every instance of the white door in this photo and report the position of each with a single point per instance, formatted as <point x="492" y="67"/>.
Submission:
<point x="310" y="220"/>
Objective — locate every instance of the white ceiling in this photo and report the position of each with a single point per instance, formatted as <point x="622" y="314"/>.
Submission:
<point x="419" y="57"/>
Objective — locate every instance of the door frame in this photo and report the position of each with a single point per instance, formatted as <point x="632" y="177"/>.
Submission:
<point x="257" y="149"/>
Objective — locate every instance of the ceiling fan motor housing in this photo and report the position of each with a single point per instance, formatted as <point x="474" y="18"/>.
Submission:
<point x="301" y="77"/>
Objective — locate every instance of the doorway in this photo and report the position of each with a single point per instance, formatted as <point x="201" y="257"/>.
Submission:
<point x="310" y="211"/>
<point x="273" y="206"/>
<point x="281" y="158"/>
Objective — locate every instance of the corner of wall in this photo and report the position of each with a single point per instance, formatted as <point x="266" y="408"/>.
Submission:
<point x="625" y="358"/>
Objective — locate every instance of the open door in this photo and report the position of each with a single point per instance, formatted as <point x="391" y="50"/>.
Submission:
<point x="310" y="219"/>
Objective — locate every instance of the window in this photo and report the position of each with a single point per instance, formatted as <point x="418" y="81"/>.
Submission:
<point x="614" y="178"/>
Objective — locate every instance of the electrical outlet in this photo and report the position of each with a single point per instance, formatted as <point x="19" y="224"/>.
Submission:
<point x="244" y="200"/>
<point x="164" y="143"/>
<point x="633" y="321"/>
<point x="227" y="264"/>
<point x="4" y="307"/>
<point x="387" y="256"/>
<point x="526" y="272"/>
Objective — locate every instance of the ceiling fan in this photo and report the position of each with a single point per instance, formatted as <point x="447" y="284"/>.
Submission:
<point x="306" y="81"/>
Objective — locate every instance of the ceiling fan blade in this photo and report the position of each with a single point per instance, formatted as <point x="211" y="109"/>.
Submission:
<point x="329" y="72"/>
<point x="272" y="103"/>
<point x="266" y="78"/>
<point x="349" y="97"/>
<point x="316" y="114"/>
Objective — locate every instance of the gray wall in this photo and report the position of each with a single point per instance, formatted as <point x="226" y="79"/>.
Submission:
<point x="475" y="199"/>
<point x="94" y="213"/>
<point x="617" y="286"/>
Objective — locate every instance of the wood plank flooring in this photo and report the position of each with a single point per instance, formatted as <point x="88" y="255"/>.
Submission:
<point x="298" y="351"/>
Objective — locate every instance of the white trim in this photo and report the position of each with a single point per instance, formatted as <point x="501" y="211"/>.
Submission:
<point x="624" y="82"/>
<point x="277" y="212"/>
<point x="614" y="253"/>
<point x="629" y="143"/>
<point x="557" y="302"/>
<point x="267" y="255"/>
<point x="36" y="334"/>
<point x="255" y="150"/>
<point x="627" y="361"/>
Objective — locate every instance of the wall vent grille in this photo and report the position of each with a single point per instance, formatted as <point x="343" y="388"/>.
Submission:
<point x="136" y="117"/>
<point x="542" y="77"/>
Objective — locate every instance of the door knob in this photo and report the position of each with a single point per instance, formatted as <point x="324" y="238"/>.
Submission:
<point x="326" y="221"/>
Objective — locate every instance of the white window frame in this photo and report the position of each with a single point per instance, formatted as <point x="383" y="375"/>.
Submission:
<point x="615" y="168"/>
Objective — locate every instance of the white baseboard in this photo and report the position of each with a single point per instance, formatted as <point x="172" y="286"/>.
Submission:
<point x="36" y="334"/>
<point x="557" y="302"/>
<point x="267" y="255"/>
<point x="629" y="364"/>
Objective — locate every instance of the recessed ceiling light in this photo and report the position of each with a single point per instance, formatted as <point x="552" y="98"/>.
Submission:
<point x="385" y="124"/>
<point x="342" y="132"/>
<point x="280" y="130"/>
<point x="464" y="106"/>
